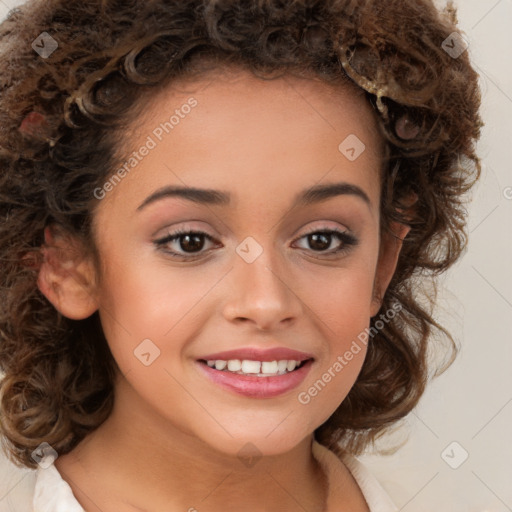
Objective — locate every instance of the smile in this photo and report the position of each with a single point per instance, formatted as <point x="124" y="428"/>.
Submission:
<point x="256" y="368"/>
<point x="254" y="378"/>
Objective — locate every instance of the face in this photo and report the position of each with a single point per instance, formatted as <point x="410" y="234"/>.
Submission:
<point x="278" y="264"/>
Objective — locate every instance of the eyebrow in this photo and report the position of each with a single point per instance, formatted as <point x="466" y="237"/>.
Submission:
<point x="307" y="197"/>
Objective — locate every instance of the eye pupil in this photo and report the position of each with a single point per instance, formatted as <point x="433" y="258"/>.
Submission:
<point x="192" y="242"/>
<point x="319" y="241"/>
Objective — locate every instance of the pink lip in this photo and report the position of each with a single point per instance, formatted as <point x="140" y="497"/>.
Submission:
<point x="257" y="387"/>
<point x="255" y="354"/>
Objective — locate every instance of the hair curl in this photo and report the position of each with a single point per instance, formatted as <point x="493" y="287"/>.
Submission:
<point x="60" y="120"/>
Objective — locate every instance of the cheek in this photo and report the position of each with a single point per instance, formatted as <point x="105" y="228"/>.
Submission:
<point x="345" y="302"/>
<point x="342" y="298"/>
<point x="342" y="306"/>
<point x="150" y="301"/>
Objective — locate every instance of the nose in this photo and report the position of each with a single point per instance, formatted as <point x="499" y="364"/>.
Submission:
<point x="262" y="294"/>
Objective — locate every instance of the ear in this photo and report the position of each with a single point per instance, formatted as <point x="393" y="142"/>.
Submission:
<point x="390" y="246"/>
<point x="66" y="277"/>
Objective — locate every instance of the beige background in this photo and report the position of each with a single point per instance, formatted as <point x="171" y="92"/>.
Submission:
<point x="471" y="404"/>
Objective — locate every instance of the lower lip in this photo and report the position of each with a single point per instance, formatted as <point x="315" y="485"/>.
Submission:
<point x="258" y="387"/>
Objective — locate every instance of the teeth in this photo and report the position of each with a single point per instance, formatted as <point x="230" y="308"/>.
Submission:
<point x="256" y="368"/>
<point x="269" y="367"/>
<point x="234" y="365"/>
<point x="220" y="365"/>
<point x="281" y="366"/>
<point x="290" y="365"/>
<point x="250" y="366"/>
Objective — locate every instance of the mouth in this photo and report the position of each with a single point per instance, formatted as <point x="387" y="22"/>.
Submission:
<point x="255" y="368"/>
<point x="256" y="373"/>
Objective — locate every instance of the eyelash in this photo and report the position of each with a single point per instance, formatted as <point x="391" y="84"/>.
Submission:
<point x="348" y="240"/>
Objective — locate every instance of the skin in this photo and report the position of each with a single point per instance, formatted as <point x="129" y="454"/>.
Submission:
<point x="173" y="438"/>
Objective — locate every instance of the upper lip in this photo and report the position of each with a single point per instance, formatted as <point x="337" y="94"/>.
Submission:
<point x="257" y="354"/>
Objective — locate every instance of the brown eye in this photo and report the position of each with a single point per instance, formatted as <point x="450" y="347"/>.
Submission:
<point x="321" y="241"/>
<point x="181" y="243"/>
<point x="192" y="242"/>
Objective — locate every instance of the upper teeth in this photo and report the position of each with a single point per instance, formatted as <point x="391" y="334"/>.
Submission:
<point x="259" y="368"/>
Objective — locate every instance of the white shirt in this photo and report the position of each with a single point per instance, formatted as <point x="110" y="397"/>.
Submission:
<point x="53" y="494"/>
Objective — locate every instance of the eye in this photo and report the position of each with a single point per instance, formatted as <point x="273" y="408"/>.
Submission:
<point x="321" y="241"/>
<point x="185" y="242"/>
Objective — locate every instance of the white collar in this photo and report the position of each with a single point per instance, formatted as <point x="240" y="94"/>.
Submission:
<point x="53" y="493"/>
<point x="376" y="497"/>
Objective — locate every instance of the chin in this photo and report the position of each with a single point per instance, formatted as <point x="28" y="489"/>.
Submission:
<point x="255" y="444"/>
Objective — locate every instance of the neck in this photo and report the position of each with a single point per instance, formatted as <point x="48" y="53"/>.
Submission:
<point x="155" y="466"/>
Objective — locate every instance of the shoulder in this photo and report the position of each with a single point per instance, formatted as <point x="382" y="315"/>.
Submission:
<point x="52" y="493"/>
<point x="376" y="497"/>
<point x="44" y="490"/>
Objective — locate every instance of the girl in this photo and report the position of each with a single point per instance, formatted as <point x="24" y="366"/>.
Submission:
<point x="217" y="220"/>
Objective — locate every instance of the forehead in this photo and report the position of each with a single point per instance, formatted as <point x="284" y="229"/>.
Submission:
<point x="265" y="138"/>
<point x="231" y="95"/>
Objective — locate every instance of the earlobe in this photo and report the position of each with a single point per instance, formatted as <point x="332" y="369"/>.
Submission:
<point x="389" y="251"/>
<point x="66" y="278"/>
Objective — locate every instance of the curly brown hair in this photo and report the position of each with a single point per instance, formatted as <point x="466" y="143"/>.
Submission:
<point x="60" y="123"/>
